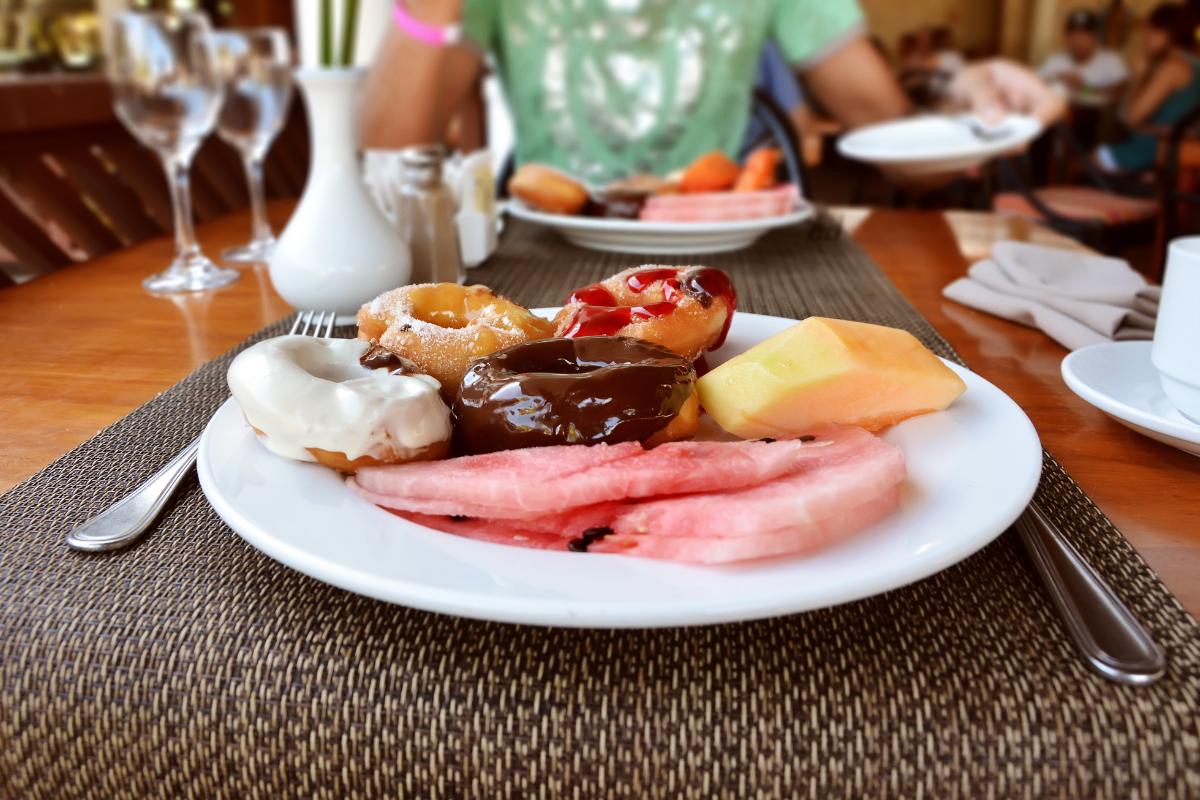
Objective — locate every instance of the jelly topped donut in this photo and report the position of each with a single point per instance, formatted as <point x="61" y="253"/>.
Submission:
<point x="590" y="390"/>
<point x="442" y="327"/>
<point x="685" y="309"/>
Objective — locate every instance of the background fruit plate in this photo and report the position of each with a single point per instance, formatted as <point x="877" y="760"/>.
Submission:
<point x="659" y="238"/>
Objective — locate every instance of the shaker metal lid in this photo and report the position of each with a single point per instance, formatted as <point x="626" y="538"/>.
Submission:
<point x="424" y="155"/>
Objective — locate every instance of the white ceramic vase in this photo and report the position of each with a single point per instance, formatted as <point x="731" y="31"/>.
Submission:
<point x="337" y="251"/>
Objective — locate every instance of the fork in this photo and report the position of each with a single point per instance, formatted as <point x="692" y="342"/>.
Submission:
<point x="128" y="519"/>
<point x="984" y="132"/>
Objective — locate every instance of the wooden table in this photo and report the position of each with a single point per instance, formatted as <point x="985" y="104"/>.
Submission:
<point x="85" y="345"/>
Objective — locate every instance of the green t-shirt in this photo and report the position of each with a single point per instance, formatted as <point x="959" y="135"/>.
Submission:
<point x="604" y="88"/>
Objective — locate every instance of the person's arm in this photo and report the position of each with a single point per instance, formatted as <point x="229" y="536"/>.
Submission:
<point x="1151" y="93"/>
<point x="856" y="86"/>
<point x="414" y="88"/>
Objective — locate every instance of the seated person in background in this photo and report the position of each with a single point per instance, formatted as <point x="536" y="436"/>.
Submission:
<point x="916" y="51"/>
<point x="1090" y="74"/>
<point x="925" y="70"/>
<point x="603" y="91"/>
<point x="1165" y="87"/>
<point x="946" y="56"/>
<point x="906" y="45"/>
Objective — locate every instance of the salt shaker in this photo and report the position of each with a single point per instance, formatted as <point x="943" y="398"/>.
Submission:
<point x="424" y="213"/>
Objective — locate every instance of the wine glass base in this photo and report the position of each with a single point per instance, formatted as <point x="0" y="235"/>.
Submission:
<point x="257" y="252"/>
<point x="193" y="274"/>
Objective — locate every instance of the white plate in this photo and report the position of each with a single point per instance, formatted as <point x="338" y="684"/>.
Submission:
<point x="1119" y="379"/>
<point x="659" y="238"/>
<point x="972" y="469"/>
<point x="934" y="144"/>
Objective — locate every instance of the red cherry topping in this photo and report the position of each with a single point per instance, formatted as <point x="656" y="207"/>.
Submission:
<point x="599" y="314"/>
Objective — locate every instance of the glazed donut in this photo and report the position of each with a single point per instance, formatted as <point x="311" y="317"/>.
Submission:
<point x="315" y="400"/>
<point x="547" y="189"/>
<point x="576" y="391"/>
<point x="443" y="327"/>
<point x="685" y="309"/>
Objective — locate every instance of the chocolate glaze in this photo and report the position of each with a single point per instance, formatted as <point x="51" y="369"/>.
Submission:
<point x="615" y="205"/>
<point x="570" y="391"/>
<point x="379" y="357"/>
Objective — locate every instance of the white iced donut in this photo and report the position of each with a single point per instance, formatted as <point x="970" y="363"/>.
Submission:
<point x="312" y="400"/>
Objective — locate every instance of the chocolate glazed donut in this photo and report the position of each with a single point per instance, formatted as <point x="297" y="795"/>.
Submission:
<point x="575" y="391"/>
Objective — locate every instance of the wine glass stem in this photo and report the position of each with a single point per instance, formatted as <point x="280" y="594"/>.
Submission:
<point x="258" y="205"/>
<point x="177" y="167"/>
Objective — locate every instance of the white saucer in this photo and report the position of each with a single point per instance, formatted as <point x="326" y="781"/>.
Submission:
<point x="935" y="144"/>
<point x="1119" y="379"/>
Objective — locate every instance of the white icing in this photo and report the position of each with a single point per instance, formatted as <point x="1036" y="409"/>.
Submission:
<point x="303" y="392"/>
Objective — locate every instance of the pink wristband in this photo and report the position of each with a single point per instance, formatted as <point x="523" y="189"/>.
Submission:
<point x="436" y="35"/>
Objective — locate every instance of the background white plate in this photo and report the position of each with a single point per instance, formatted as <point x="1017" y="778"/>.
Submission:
<point x="1120" y="380"/>
<point x="659" y="238"/>
<point x="972" y="469"/>
<point x="934" y="144"/>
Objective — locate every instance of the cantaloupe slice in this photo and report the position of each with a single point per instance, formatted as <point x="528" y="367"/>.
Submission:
<point x="827" y="371"/>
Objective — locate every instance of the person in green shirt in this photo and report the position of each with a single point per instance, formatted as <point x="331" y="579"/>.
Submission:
<point x="605" y="88"/>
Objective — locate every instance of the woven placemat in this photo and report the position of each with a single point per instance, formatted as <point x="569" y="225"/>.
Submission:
<point x="193" y="666"/>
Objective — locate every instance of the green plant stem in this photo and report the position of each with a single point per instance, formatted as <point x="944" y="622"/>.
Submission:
<point x="349" y="33"/>
<point x="326" y="33"/>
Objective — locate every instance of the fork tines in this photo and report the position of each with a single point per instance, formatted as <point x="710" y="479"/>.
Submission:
<point x="314" y="323"/>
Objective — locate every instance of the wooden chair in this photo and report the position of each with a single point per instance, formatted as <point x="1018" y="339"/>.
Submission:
<point x="1179" y="168"/>
<point x="1111" y="211"/>
<point x="779" y="131"/>
<point x="1104" y="211"/>
<point x="74" y="184"/>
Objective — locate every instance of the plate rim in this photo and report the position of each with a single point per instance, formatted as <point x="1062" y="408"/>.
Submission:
<point x="1114" y="407"/>
<point x="609" y="614"/>
<point x="845" y="143"/>
<point x="633" y="227"/>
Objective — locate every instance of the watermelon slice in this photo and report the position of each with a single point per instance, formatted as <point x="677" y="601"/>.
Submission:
<point x="834" y="491"/>
<point x="810" y="536"/>
<point x="534" y="482"/>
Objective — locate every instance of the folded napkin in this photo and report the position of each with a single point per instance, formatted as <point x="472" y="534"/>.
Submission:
<point x="1075" y="298"/>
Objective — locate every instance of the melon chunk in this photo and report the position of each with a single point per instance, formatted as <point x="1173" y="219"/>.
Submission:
<point x="827" y="371"/>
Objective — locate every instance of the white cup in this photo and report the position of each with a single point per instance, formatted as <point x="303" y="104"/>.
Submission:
<point x="1176" y="351"/>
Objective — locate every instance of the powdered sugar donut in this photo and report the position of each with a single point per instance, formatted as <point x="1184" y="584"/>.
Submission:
<point x="443" y="327"/>
<point x="315" y="400"/>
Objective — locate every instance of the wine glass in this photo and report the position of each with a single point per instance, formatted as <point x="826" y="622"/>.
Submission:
<point x="255" y="66"/>
<point x="167" y="93"/>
